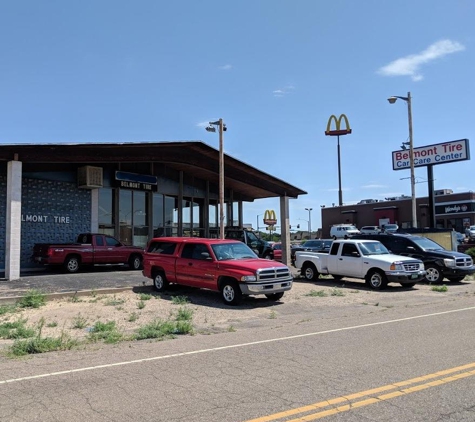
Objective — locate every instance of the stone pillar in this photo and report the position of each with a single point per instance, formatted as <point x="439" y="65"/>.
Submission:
<point x="285" y="229"/>
<point x="13" y="221"/>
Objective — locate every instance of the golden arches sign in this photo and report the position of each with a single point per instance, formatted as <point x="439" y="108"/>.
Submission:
<point x="338" y="130"/>
<point x="269" y="218"/>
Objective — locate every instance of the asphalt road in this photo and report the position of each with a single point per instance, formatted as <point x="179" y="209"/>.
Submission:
<point x="405" y="359"/>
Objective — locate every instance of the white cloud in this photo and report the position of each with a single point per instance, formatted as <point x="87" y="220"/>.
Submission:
<point x="373" y="186"/>
<point x="410" y="65"/>
<point x="225" y="67"/>
<point x="203" y="124"/>
<point x="283" y="91"/>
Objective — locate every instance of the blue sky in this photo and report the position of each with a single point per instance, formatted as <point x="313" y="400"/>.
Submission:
<point x="106" y="71"/>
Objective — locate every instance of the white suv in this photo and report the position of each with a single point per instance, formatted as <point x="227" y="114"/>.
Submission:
<point x="370" y="230"/>
<point x="343" y="231"/>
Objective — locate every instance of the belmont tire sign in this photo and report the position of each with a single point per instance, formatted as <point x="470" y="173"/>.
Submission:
<point x="447" y="152"/>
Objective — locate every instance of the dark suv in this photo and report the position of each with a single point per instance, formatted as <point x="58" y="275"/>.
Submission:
<point x="262" y="248"/>
<point x="438" y="262"/>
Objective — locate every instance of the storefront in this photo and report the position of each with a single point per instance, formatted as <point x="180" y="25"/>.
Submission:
<point x="134" y="192"/>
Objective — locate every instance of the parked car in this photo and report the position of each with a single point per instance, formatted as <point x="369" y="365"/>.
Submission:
<point x="277" y="248"/>
<point x="470" y="233"/>
<point x="438" y="262"/>
<point x="343" y="231"/>
<point x="89" y="249"/>
<point x="460" y="238"/>
<point x="365" y="259"/>
<point x="390" y="228"/>
<point x="370" y="230"/>
<point x="314" y="245"/>
<point x="226" y="266"/>
<point x="261" y="247"/>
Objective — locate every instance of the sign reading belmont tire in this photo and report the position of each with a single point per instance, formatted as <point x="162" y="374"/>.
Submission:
<point x="447" y="152"/>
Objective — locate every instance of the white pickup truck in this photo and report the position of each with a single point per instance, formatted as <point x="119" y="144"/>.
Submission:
<point x="365" y="259"/>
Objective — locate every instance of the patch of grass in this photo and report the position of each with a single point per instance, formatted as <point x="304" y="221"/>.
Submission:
<point x="317" y="293"/>
<point x="145" y="296"/>
<point x="441" y="289"/>
<point x="133" y="317"/>
<point x="106" y="331"/>
<point x="184" y="314"/>
<point x="16" y="330"/>
<point x="33" y="299"/>
<point x="7" y="309"/>
<point x="272" y="315"/>
<point x="79" y="322"/>
<point x="231" y="329"/>
<point x="180" y="300"/>
<point x="113" y="301"/>
<point x="52" y="324"/>
<point x="41" y="345"/>
<point x="75" y="299"/>
<point x="336" y="292"/>
<point x="162" y="329"/>
<point x="140" y="304"/>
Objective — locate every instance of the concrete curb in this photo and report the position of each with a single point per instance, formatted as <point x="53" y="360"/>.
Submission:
<point x="61" y="295"/>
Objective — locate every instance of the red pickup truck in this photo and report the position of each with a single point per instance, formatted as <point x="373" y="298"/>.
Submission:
<point x="89" y="249"/>
<point x="227" y="266"/>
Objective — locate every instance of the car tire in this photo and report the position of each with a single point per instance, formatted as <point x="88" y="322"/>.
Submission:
<point x="135" y="262"/>
<point x="72" y="264"/>
<point x="160" y="282"/>
<point x="376" y="280"/>
<point x="309" y="271"/>
<point x="231" y="292"/>
<point x="334" y="237"/>
<point x="434" y="275"/>
<point x="267" y="256"/>
<point x="456" y="279"/>
<point x="275" y="296"/>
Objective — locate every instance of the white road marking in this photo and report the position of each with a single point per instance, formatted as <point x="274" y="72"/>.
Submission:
<point x="234" y="346"/>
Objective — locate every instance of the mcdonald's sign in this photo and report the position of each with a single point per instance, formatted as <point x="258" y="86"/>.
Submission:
<point x="269" y="218"/>
<point x="338" y="130"/>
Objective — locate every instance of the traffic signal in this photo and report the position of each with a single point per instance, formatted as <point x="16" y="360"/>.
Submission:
<point x="298" y="226"/>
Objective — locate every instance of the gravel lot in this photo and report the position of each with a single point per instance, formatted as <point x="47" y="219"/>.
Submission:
<point x="134" y="308"/>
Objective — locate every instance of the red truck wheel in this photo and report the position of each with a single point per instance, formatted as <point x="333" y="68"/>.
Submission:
<point x="160" y="282"/>
<point x="231" y="292"/>
<point x="72" y="264"/>
<point x="135" y="262"/>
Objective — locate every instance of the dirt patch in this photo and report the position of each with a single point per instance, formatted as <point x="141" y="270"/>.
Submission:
<point x="135" y="308"/>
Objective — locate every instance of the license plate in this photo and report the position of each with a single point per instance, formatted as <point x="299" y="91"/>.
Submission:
<point x="414" y="276"/>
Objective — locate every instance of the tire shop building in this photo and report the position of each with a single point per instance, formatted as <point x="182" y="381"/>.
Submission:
<point x="49" y="193"/>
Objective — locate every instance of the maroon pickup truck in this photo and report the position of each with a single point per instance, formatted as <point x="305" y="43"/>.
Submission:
<point x="89" y="249"/>
<point x="227" y="266"/>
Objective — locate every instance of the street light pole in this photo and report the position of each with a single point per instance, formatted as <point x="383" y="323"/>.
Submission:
<point x="309" y="222"/>
<point x="407" y="99"/>
<point x="222" y="128"/>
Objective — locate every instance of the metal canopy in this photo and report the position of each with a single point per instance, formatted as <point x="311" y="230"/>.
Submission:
<point x="191" y="157"/>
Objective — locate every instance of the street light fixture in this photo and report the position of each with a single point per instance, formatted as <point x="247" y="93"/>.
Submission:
<point x="222" y="128"/>
<point x="309" y="222"/>
<point x="407" y="99"/>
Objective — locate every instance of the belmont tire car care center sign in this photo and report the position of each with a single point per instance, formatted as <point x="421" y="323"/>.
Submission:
<point x="447" y="152"/>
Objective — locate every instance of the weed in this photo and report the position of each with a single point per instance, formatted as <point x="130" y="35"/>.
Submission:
<point x="52" y="324"/>
<point x="336" y="292"/>
<point x="141" y="304"/>
<point x="16" y="329"/>
<point x="114" y="301"/>
<point x="75" y="299"/>
<point x="376" y="304"/>
<point x="145" y="296"/>
<point x="272" y="315"/>
<point x="41" y="345"/>
<point x="79" y="322"/>
<point x="93" y="293"/>
<point x="184" y="314"/>
<point x="162" y="329"/>
<point x="7" y="309"/>
<point x="133" y="317"/>
<point x="180" y="300"/>
<point x="315" y="293"/>
<point x="231" y="329"/>
<point x="33" y="299"/>
<point x="106" y="331"/>
<point x="441" y="289"/>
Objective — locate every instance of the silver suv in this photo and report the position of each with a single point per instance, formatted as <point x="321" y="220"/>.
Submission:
<point x="470" y="232"/>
